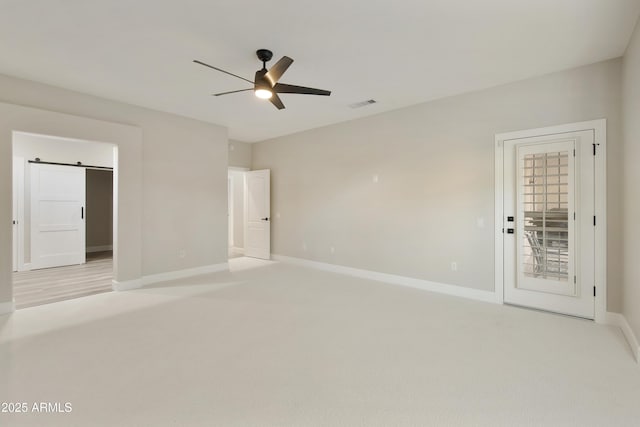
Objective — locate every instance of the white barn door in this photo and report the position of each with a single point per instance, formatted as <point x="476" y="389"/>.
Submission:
<point x="257" y="207"/>
<point x="57" y="215"/>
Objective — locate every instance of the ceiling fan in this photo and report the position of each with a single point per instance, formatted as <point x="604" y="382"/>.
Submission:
<point x="265" y="84"/>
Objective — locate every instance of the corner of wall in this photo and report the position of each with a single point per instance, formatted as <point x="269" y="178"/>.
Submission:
<point x="631" y="201"/>
<point x="7" y="308"/>
<point x="617" y="319"/>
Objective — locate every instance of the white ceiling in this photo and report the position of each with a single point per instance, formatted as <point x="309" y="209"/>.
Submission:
<point x="399" y="53"/>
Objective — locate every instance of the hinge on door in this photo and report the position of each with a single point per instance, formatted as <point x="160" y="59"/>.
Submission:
<point x="594" y="291"/>
<point x="594" y="220"/>
<point x="574" y="152"/>
<point x="594" y="148"/>
<point x="575" y="280"/>
<point x="574" y="216"/>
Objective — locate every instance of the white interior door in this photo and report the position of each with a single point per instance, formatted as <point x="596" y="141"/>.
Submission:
<point x="57" y="215"/>
<point x="257" y="207"/>
<point x="548" y="225"/>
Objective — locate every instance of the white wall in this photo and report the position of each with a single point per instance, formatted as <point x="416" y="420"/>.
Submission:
<point x="240" y="157"/>
<point x="631" y="188"/>
<point x="237" y="178"/>
<point x="434" y="169"/>
<point x="183" y="165"/>
<point x="59" y="150"/>
<point x="239" y="154"/>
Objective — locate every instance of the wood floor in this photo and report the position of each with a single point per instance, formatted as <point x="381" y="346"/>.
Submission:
<point x="49" y="285"/>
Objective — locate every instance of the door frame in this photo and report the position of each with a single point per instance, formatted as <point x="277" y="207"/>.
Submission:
<point x="230" y="223"/>
<point x="599" y="128"/>
<point x="232" y="170"/>
<point x="18" y="200"/>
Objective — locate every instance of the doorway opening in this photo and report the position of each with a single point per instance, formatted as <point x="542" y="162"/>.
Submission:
<point x="235" y="210"/>
<point x="63" y="226"/>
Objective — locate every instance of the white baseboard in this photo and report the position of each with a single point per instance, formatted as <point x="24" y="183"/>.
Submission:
<point x="442" y="288"/>
<point x="237" y="249"/>
<point x="25" y="267"/>
<point x="181" y="274"/>
<point x="171" y="275"/>
<point x="126" y="285"/>
<point x="103" y="248"/>
<point x="7" y="307"/>
<point x="620" y="321"/>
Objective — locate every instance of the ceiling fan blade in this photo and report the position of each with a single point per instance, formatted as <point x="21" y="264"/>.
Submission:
<point x="221" y="70"/>
<point x="275" y="100"/>
<point x="283" y="88"/>
<point x="278" y="69"/>
<point x="233" y="91"/>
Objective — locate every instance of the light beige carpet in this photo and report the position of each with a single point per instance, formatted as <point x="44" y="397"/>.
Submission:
<point x="272" y="344"/>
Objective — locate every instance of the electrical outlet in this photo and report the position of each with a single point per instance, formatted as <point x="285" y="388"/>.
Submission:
<point x="333" y="250"/>
<point x="454" y="266"/>
<point x="182" y="253"/>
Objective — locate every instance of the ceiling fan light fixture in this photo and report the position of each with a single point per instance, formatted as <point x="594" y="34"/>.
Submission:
<point x="266" y="82"/>
<point x="263" y="93"/>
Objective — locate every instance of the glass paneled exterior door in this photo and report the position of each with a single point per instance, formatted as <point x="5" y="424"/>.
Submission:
<point x="545" y="226"/>
<point x="548" y="234"/>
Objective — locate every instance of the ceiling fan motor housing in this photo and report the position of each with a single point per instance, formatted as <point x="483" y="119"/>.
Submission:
<point x="264" y="55"/>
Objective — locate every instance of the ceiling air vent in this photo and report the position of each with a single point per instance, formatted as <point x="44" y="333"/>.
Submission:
<point x="363" y="103"/>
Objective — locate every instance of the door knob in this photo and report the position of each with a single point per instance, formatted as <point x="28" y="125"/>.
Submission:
<point x="265" y="219"/>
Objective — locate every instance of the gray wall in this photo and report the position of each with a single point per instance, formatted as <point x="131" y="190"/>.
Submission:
<point x="435" y="181"/>
<point x="631" y="192"/>
<point x="239" y="154"/>
<point x="184" y="175"/>
<point x="99" y="211"/>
